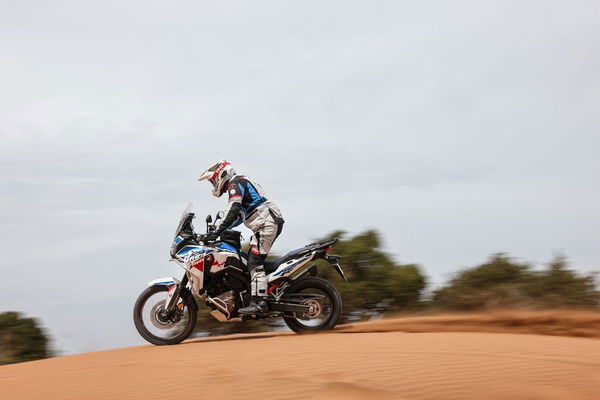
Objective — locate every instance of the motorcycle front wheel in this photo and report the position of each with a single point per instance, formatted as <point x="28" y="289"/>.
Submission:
<point x="324" y="301"/>
<point x="157" y="326"/>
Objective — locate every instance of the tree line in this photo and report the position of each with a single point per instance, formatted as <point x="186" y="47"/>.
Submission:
<point x="379" y="285"/>
<point x="378" y="282"/>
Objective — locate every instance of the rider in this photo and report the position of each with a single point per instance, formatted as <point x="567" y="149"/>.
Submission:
<point x="247" y="203"/>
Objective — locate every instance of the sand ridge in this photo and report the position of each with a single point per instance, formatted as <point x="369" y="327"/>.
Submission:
<point x="338" y="365"/>
<point x="577" y="323"/>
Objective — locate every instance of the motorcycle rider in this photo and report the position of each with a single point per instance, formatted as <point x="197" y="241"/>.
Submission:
<point x="248" y="204"/>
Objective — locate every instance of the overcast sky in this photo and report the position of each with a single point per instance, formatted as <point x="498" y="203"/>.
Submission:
<point x="457" y="129"/>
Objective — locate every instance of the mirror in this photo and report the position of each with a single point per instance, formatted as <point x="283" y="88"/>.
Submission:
<point x="219" y="216"/>
<point x="208" y="219"/>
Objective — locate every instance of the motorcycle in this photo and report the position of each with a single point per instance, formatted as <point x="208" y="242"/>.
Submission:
<point x="216" y="273"/>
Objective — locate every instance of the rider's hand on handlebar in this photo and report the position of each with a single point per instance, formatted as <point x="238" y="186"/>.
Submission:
<point x="211" y="236"/>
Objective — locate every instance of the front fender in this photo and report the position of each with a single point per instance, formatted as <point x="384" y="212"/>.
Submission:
<point x="167" y="281"/>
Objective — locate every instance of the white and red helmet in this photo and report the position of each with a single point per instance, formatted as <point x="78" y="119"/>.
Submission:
<point x="218" y="175"/>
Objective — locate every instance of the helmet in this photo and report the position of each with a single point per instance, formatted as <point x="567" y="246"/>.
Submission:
<point x="218" y="175"/>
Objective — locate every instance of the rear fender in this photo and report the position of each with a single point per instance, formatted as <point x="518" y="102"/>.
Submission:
<point x="335" y="263"/>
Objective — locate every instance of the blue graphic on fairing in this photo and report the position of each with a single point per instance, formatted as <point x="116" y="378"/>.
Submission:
<point x="187" y="249"/>
<point x="227" y="246"/>
<point x="178" y="239"/>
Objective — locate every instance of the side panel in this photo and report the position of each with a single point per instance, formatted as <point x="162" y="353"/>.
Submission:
<point x="289" y="267"/>
<point x="194" y="258"/>
<point x="194" y="262"/>
<point x="222" y="259"/>
<point x="200" y="260"/>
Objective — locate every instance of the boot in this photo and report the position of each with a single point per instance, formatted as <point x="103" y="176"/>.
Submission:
<point x="259" y="292"/>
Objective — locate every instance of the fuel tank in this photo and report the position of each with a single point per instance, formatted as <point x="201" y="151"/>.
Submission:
<point x="210" y="260"/>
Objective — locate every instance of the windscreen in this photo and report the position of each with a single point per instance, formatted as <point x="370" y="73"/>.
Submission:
<point x="184" y="216"/>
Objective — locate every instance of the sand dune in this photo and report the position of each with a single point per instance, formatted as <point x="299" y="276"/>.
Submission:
<point x="557" y="323"/>
<point x="353" y="363"/>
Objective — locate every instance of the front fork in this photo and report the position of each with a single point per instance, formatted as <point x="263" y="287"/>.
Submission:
<point x="175" y="293"/>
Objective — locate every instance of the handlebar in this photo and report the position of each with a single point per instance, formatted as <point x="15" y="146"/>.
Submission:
<point x="204" y="238"/>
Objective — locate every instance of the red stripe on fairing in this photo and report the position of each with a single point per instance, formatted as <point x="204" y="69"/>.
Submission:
<point x="235" y="197"/>
<point x="255" y="250"/>
<point x="199" y="265"/>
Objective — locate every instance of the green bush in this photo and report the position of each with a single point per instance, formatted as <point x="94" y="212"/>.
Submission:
<point x="21" y="339"/>
<point x="502" y="282"/>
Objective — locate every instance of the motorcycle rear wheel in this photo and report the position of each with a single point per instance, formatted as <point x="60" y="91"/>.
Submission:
<point x="185" y="325"/>
<point x="330" y="308"/>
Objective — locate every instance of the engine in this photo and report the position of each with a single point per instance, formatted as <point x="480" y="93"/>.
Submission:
<point x="226" y="288"/>
<point x="227" y="299"/>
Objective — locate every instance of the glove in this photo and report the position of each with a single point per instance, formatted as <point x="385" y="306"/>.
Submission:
<point x="212" y="236"/>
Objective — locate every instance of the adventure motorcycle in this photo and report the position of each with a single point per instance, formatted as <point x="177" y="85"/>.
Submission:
<point x="216" y="273"/>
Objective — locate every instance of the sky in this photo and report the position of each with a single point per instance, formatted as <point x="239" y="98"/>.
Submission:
<point x="457" y="129"/>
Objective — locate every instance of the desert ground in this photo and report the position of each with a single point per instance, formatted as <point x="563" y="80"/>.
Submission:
<point x="494" y="356"/>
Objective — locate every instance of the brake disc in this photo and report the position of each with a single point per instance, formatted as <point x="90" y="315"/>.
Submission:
<point x="314" y="309"/>
<point x="159" y="318"/>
